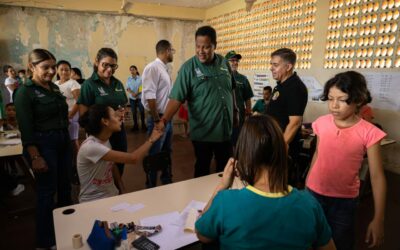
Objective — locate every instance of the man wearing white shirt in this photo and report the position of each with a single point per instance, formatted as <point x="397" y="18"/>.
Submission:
<point x="157" y="84"/>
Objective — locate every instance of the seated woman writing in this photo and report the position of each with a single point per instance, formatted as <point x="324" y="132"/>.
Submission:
<point x="97" y="170"/>
<point x="267" y="213"/>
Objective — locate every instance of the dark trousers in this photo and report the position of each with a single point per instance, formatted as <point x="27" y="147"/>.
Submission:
<point x="204" y="152"/>
<point x="55" y="148"/>
<point x="340" y="214"/>
<point x="8" y="182"/>
<point x="119" y="143"/>
<point x="135" y="105"/>
<point x="162" y="144"/>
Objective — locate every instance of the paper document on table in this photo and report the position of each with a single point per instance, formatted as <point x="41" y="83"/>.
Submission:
<point x="183" y="216"/>
<point x="8" y="142"/>
<point x="127" y="207"/>
<point x="171" y="236"/>
<point x="120" y="206"/>
<point x="134" y="208"/>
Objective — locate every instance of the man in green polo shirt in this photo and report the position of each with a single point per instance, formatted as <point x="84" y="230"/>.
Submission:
<point x="243" y="92"/>
<point x="205" y="81"/>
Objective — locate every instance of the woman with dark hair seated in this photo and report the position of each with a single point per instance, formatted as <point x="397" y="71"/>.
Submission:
<point x="267" y="213"/>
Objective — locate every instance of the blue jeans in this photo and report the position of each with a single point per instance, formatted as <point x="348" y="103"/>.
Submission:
<point x="119" y="143"/>
<point x="135" y="105"/>
<point x="163" y="144"/>
<point x="340" y="213"/>
<point x="55" y="148"/>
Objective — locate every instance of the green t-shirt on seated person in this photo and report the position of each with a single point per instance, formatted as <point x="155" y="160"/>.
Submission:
<point x="251" y="219"/>
<point x="208" y="90"/>
<point x="95" y="91"/>
<point x="259" y="106"/>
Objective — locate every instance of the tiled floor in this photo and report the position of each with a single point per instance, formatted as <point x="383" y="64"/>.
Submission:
<point x="17" y="228"/>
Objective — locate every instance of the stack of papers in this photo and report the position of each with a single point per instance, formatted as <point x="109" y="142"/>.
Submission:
<point x="173" y="234"/>
<point x="10" y="142"/>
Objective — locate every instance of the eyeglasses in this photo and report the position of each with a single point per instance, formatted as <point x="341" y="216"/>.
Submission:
<point x="109" y="65"/>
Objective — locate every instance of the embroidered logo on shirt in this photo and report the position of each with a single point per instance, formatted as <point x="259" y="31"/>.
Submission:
<point x="102" y="92"/>
<point x="198" y="72"/>
<point x="39" y="94"/>
<point x="276" y="95"/>
<point x="119" y="90"/>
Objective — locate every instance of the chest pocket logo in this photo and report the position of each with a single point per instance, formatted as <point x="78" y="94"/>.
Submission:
<point x="102" y="91"/>
<point x="198" y="72"/>
<point x="276" y="96"/>
<point x="39" y="94"/>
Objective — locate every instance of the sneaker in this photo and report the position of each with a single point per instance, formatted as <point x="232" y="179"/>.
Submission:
<point x="19" y="189"/>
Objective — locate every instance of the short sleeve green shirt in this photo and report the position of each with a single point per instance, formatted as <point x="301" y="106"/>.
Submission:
<point x="243" y="93"/>
<point x="39" y="109"/>
<point x="259" y="106"/>
<point x="95" y="91"/>
<point x="208" y="90"/>
<point x="248" y="218"/>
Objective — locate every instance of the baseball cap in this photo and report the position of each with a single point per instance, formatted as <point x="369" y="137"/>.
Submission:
<point x="233" y="54"/>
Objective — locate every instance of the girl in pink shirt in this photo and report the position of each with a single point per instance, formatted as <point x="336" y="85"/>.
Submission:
<point x="343" y="138"/>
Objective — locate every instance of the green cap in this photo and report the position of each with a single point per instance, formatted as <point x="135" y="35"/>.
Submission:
<point x="233" y="54"/>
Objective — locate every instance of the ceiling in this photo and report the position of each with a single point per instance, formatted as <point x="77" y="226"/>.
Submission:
<point x="201" y="4"/>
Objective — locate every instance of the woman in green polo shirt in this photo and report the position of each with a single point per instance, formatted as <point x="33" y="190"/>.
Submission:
<point x="103" y="88"/>
<point x="42" y="115"/>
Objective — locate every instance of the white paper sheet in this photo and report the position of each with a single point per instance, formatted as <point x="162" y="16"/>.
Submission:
<point x="120" y="206"/>
<point x="385" y="90"/>
<point x="260" y="80"/>
<point x="10" y="142"/>
<point x="172" y="236"/>
<point x="196" y="205"/>
<point x="134" y="208"/>
<point x="314" y="88"/>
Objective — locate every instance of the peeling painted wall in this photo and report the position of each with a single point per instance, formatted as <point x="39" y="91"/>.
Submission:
<point x="77" y="36"/>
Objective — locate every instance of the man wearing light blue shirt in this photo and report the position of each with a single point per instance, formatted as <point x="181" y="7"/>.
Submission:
<point x="134" y="88"/>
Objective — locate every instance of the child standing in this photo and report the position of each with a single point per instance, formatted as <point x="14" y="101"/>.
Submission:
<point x="343" y="138"/>
<point x="267" y="213"/>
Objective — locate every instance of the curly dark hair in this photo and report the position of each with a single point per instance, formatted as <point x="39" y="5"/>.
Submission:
<point x="353" y="84"/>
